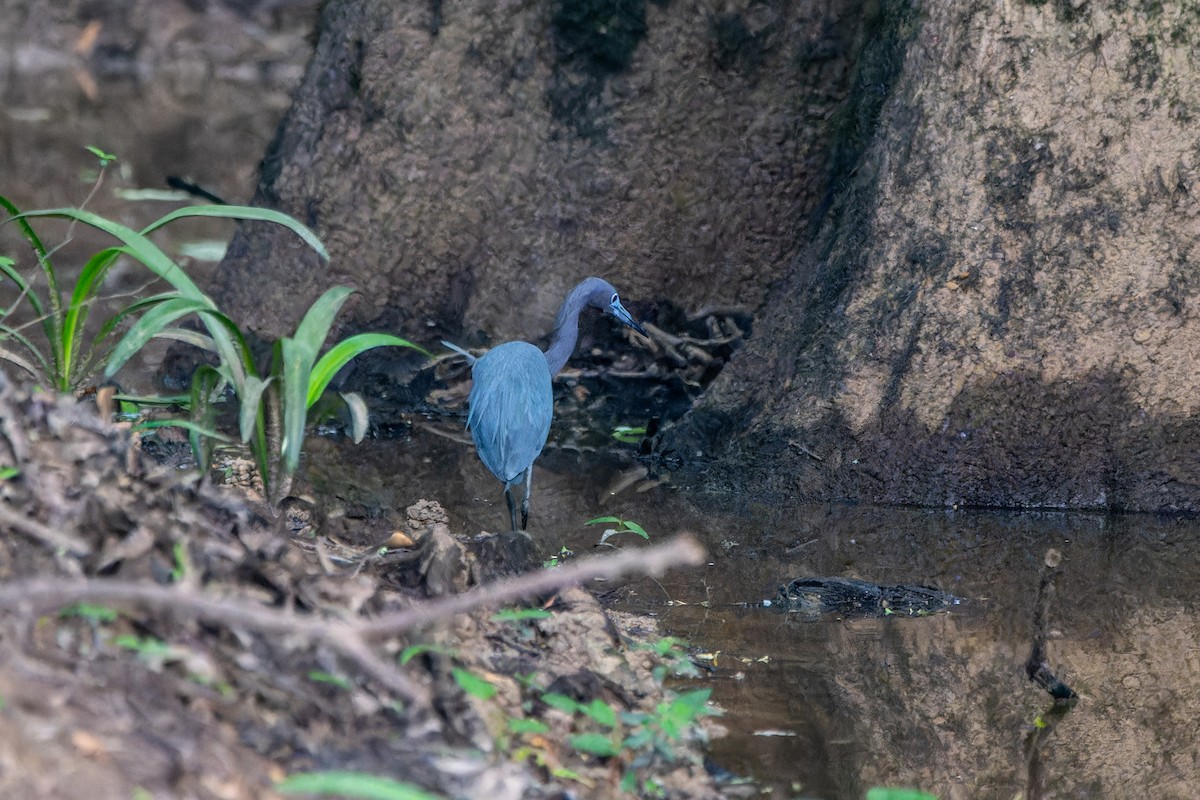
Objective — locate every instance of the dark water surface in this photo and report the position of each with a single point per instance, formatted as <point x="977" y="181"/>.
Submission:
<point x="830" y="708"/>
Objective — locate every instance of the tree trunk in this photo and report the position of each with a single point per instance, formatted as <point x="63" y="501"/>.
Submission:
<point x="1001" y="307"/>
<point x="466" y="164"/>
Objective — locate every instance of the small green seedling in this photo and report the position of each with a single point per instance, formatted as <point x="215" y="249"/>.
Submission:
<point x="319" y="676"/>
<point x="622" y="526"/>
<point x="472" y="684"/>
<point x="627" y="434"/>
<point x="562" y="555"/>
<point x="105" y="158"/>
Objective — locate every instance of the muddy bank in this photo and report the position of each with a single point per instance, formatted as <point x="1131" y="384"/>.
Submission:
<point x="194" y="668"/>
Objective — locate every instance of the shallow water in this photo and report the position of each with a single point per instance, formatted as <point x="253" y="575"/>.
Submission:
<point x="833" y="707"/>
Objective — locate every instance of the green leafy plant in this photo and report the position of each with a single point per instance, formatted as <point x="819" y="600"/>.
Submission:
<point x="562" y="555"/>
<point x="622" y="526"/>
<point x="67" y="364"/>
<point x="673" y="654"/>
<point x="629" y="434"/>
<point x="642" y="740"/>
<point x="274" y="408"/>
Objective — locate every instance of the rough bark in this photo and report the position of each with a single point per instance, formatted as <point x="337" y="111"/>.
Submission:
<point x="463" y="161"/>
<point x="1002" y="306"/>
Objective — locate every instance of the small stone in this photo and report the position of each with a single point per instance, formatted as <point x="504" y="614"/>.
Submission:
<point x="1141" y="336"/>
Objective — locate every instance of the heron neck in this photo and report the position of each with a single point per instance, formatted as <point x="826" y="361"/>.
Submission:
<point x="562" y="342"/>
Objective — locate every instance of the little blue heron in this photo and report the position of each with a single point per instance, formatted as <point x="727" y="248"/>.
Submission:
<point x="511" y="401"/>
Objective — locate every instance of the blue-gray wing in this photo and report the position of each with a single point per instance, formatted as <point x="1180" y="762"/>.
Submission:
<point x="511" y="405"/>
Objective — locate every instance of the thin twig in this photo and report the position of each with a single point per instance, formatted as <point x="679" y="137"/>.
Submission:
<point x="681" y="551"/>
<point x="348" y="637"/>
<point x="43" y="534"/>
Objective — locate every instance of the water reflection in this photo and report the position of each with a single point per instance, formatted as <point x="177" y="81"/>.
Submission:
<point x="834" y="707"/>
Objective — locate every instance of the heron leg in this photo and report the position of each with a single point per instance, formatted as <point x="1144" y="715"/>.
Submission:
<point x="525" y="502"/>
<point x="512" y="507"/>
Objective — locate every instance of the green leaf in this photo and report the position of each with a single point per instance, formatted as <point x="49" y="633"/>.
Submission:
<point x="319" y="676"/>
<point x="90" y="612"/>
<point x="133" y="243"/>
<point x="596" y="744"/>
<point x="8" y="473"/>
<point x="293" y="366"/>
<point x="601" y="712"/>
<point x="527" y="726"/>
<point x="602" y="520"/>
<point x="638" y="529"/>
<point x="473" y="684"/>
<point x="185" y="424"/>
<point x="9" y="269"/>
<point x="148" y="647"/>
<point x="153" y="258"/>
<point x="561" y="702"/>
<point x="887" y="793"/>
<point x="249" y="213"/>
<point x="314" y="328"/>
<point x="29" y="366"/>
<point x="148" y="327"/>
<point x="251" y="404"/>
<point x="86" y="286"/>
<point x="695" y="701"/>
<point x="105" y="158"/>
<point x="414" y="650"/>
<point x="356" y="785"/>
<point x="343" y="353"/>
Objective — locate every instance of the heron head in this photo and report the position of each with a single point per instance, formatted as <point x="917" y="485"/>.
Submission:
<point x="615" y="308"/>
<point x="602" y="295"/>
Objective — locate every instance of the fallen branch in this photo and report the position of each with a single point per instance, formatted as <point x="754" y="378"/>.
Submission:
<point x="348" y="637"/>
<point x="654" y="561"/>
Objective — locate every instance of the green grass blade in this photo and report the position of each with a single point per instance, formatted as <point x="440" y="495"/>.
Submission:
<point x="295" y="368"/>
<point x="344" y="352"/>
<point x="23" y="363"/>
<point x="8" y="332"/>
<point x="314" y="328"/>
<point x="245" y="213"/>
<point x="185" y="424"/>
<point x="43" y="255"/>
<point x="194" y="338"/>
<point x="251" y="405"/>
<point x="134" y="244"/>
<point x="85" y="289"/>
<point x="146" y="328"/>
<point x="353" y="785"/>
<point x="133" y="308"/>
<point x="27" y="231"/>
<point x="9" y="268"/>
<point x="205" y="381"/>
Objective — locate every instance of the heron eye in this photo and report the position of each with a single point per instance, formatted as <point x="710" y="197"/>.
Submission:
<point x="615" y="299"/>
